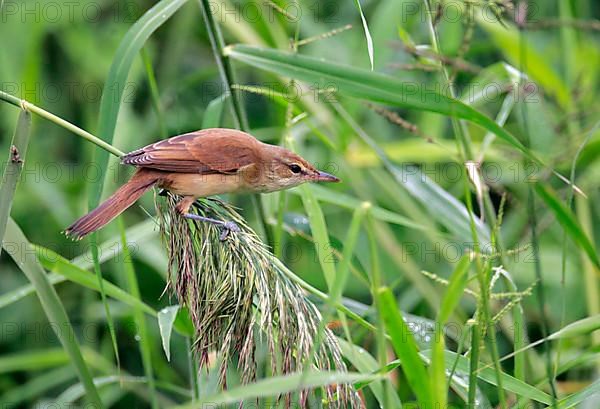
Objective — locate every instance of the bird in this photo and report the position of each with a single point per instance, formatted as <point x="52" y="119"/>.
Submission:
<point x="200" y="164"/>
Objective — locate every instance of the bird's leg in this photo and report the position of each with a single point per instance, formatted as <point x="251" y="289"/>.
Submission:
<point x="183" y="208"/>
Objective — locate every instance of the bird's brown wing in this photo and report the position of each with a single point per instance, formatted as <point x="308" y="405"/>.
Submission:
<point x="206" y="151"/>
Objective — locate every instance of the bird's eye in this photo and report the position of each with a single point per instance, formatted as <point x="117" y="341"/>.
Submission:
<point x="295" y="168"/>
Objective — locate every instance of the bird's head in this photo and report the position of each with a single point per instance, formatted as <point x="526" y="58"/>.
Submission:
<point x="284" y="169"/>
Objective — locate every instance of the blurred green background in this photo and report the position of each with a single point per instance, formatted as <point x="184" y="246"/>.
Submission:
<point x="57" y="55"/>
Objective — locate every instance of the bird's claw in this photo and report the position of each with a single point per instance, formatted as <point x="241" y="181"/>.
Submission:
<point x="228" y="227"/>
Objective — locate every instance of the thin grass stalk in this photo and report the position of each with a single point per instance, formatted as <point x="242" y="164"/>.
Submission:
<point x="103" y="298"/>
<point x="140" y="331"/>
<point x="520" y="335"/>
<point x="227" y="74"/>
<point x="483" y="319"/>
<point x="564" y="253"/>
<point x="464" y="141"/>
<point x="223" y="65"/>
<point x="28" y="106"/>
<point x="460" y="129"/>
<point x="533" y="222"/>
<point x="155" y="95"/>
<point x="589" y="269"/>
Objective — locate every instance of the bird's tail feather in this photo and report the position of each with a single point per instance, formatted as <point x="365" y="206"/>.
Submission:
<point x="124" y="197"/>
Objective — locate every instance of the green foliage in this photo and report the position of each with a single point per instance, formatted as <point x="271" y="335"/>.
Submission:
<point x="424" y="278"/>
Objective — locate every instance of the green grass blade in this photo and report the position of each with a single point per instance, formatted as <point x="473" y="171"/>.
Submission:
<point x="405" y="346"/>
<point x="568" y="221"/>
<point x="54" y="262"/>
<point x="367" y="33"/>
<point x="508" y="41"/>
<point x="14" y="164"/>
<point x="33" y="360"/>
<point x="343" y="270"/>
<point x="366" y="363"/>
<point x="166" y="318"/>
<point x="456" y="286"/>
<point x="444" y="207"/>
<point x="139" y="317"/>
<point x="319" y="232"/>
<point x="367" y="85"/>
<point x="214" y="112"/>
<point x="19" y="293"/>
<point x="578" y="397"/>
<point x="279" y="385"/>
<point x="584" y="326"/>
<point x="345" y="201"/>
<point x="18" y="247"/>
<point x="38" y="385"/>
<point x="154" y="93"/>
<point x="488" y="375"/>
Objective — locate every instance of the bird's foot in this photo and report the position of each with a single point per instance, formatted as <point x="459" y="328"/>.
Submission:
<point x="227" y="227"/>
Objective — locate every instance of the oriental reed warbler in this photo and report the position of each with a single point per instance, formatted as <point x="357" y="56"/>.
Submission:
<point x="200" y="164"/>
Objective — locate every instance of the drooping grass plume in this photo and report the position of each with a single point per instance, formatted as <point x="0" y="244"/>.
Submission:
<point x="235" y="293"/>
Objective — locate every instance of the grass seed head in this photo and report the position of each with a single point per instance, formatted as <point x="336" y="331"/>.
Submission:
<point x="234" y="291"/>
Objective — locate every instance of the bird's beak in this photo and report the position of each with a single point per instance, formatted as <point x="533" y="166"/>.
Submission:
<point x="325" y="177"/>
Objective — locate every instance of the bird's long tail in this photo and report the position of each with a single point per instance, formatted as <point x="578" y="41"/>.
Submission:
<point x="125" y="196"/>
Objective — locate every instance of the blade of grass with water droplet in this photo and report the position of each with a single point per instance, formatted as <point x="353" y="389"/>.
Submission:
<point x="405" y="346"/>
<point x="455" y="290"/>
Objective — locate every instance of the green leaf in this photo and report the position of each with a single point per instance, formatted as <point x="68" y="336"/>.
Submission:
<point x="444" y="207"/>
<point x="568" y="221"/>
<point x="346" y="201"/>
<point x="454" y="292"/>
<point x="510" y="42"/>
<point x="366" y="363"/>
<point x="279" y="385"/>
<point x="405" y="346"/>
<point x="23" y="291"/>
<point x="584" y="326"/>
<point x="578" y="397"/>
<point x="166" y="318"/>
<point x="458" y="282"/>
<point x="33" y="360"/>
<point x="58" y="264"/>
<point x="38" y="385"/>
<point x="367" y="32"/>
<point x="488" y="375"/>
<point x="320" y="234"/>
<point x="138" y="315"/>
<point x="14" y="164"/>
<point x="18" y="247"/>
<point x="367" y="85"/>
<point x="214" y="112"/>
<point x="341" y="276"/>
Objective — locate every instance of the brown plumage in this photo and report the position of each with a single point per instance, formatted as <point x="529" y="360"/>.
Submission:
<point x="200" y="164"/>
